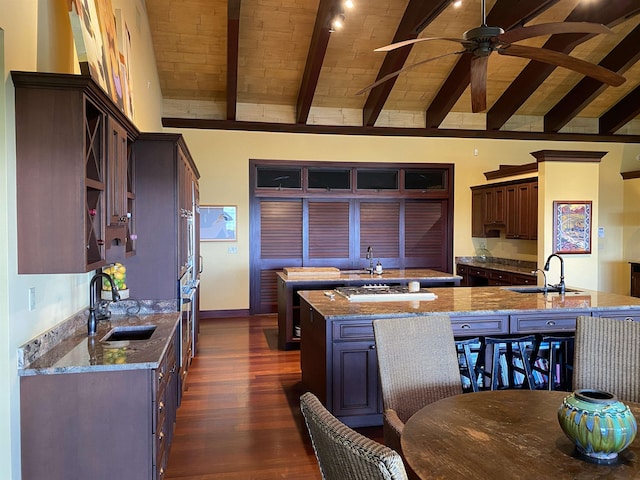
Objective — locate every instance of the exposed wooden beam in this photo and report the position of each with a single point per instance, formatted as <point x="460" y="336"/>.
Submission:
<point x="418" y="14"/>
<point x="315" y="58"/>
<point x="619" y="60"/>
<point x="506" y="14"/>
<point x="621" y="113"/>
<point x="391" y="131"/>
<point x="233" y="34"/>
<point x="532" y="76"/>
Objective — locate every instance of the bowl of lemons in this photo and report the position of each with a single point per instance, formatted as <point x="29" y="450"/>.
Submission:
<point x="118" y="273"/>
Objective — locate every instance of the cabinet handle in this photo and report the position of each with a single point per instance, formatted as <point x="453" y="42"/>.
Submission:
<point x="160" y="406"/>
<point x="551" y="322"/>
<point x="161" y="472"/>
<point x="160" y="376"/>
<point x="629" y="319"/>
<point x="161" y="436"/>
<point x="173" y="369"/>
<point x="372" y="347"/>
<point x="465" y="326"/>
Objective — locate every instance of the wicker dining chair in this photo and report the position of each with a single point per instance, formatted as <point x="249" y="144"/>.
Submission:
<point x="343" y="453"/>
<point x="607" y="356"/>
<point x="417" y="365"/>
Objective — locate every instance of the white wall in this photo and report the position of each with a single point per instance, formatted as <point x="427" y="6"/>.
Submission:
<point x="37" y="37"/>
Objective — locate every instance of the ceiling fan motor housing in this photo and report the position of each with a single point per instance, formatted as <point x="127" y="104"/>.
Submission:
<point x="483" y="39"/>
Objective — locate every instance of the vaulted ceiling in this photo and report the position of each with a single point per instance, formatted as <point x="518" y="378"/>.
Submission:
<point x="276" y="65"/>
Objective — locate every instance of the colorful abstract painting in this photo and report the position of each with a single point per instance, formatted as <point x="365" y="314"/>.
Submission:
<point x="95" y="36"/>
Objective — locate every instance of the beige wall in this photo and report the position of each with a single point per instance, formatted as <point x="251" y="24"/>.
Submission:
<point x="223" y="160"/>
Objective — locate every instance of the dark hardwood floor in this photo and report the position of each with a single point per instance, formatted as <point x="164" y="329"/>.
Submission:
<point x="240" y="416"/>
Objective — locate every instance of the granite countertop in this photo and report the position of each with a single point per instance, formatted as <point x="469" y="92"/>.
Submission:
<point x="392" y="274"/>
<point x="469" y="301"/>
<point x="504" y="265"/>
<point x="80" y="353"/>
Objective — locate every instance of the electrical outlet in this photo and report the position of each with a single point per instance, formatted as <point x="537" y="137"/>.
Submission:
<point x="232" y="250"/>
<point x="32" y="298"/>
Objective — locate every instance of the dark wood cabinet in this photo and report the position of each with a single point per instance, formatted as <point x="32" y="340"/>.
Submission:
<point x="99" y="425"/>
<point x="71" y="151"/>
<point x="473" y="276"/>
<point x="165" y="176"/>
<point x="512" y="206"/>
<point x="635" y="279"/>
<point x="167" y="228"/>
<point x="522" y="211"/>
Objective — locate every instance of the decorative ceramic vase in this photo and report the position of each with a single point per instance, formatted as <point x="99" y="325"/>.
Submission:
<point x="598" y="423"/>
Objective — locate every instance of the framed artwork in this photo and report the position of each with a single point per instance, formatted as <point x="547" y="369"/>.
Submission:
<point x="218" y="223"/>
<point x="572" y="226"/>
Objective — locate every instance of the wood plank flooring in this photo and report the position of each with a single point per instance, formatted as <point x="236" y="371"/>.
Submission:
<point x="240" y="416"/>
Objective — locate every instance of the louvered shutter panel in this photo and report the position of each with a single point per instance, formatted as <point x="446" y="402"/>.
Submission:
<point x="280" y="229"/>
<point x="424" y="231"/>
<point x="380" y="229"/>
<point x="329" y="229"/>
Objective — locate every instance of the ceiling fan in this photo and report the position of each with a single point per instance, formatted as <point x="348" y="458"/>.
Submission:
<point x="481" y="41"/>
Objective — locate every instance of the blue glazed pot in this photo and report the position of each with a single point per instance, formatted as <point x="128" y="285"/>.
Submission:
<point x="598" y="423"/>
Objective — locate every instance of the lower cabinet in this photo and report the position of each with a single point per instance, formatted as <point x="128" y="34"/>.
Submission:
<point x="99" y="425"/>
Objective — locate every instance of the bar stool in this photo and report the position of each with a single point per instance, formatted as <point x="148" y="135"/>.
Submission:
<point x="516" y="354"/>
<point x="465" y="360"/>
<point x="556" y="364"/>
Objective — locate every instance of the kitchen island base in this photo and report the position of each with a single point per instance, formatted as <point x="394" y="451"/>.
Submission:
<point x="338" y="355"/>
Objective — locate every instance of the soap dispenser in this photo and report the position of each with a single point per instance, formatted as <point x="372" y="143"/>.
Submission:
<point x="379" y="267"/>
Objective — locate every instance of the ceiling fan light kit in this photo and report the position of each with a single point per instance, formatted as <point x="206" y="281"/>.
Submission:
<point x="483" y="40"/>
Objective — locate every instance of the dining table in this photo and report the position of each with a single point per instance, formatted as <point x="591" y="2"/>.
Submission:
<point x="504" y="434"/>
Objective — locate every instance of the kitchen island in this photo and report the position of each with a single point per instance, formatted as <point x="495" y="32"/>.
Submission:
<point x="91" y="405"/>
<point x="289" y="283"/>
<point x="337" y="347"/>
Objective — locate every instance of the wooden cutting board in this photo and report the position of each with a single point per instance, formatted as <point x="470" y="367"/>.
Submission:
<point x="311" y="271"/>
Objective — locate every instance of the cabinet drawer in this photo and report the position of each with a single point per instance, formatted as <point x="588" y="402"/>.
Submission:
<point x="503" y="277"/>
<point x="542" y="323"/>
<point x="465" y="326"/>
<point x="524" y="280"/>
<point x="632" y="315"/>
<point x="478" y="272"/>
<point x="352" y="331"/>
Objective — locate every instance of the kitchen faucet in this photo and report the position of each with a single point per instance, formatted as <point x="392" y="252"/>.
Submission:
<point x="560" y="285"/>
<point x="370" y="258"/>
<point x="544" y="275"/>
<point x="92" y="321"/>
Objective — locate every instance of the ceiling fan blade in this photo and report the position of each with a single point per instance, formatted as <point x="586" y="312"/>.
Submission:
<point x="404" y="69"/>
<point x="560" y="59"/>
<point x="478" y="82"/>
<point x="542" y="29"/>
<point x="393" y="46"/>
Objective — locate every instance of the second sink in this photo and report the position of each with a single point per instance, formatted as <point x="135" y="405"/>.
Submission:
<point x="141" y="332"/>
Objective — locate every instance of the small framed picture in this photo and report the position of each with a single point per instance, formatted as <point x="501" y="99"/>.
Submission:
<point x="218" y="223"/>
<point x="572" y="226"/>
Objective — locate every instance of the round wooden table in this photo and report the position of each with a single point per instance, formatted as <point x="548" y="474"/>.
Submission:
<point x="510" y="434"/>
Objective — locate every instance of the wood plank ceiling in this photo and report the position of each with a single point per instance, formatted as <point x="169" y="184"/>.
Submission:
<point x="276" y="65"/>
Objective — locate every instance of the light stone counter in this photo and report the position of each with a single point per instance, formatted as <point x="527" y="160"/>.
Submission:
<point x="67" y="348"/>
<point x="470" y="301"/>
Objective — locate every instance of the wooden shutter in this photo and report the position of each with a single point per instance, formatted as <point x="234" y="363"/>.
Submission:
<point x="329" y="229"/>
<point x="424" y="232"/>
<point x="280" y="229"/>
<point x="380" y="229"/>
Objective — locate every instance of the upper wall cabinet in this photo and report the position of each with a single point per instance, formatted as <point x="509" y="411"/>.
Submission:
<point x="75" y="195"/>
<point x="512" y="206"/>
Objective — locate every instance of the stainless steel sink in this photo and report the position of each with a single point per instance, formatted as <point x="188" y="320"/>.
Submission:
<point x="141" y="332"/>
<point x="538" y="289"/>
<point x="359" y="271"/>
